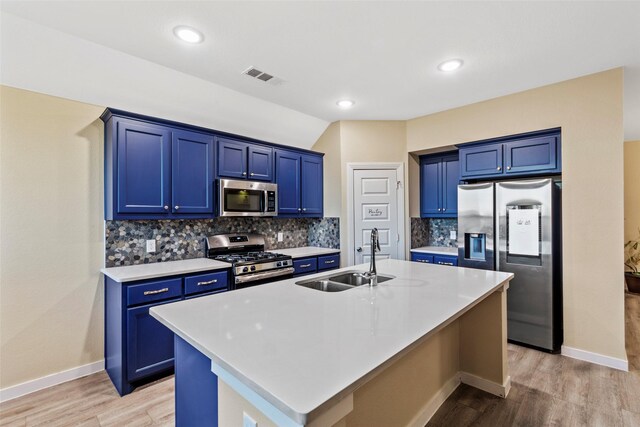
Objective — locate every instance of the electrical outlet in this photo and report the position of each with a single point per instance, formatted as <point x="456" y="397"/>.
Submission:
<point x="151" y="246"/>
<point x="453" y="235"/>
<point x="280" y="236"/>
<point x="247" y="421"/>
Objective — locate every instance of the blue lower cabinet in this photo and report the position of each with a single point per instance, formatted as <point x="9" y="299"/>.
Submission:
<point x="445" y="260"/>
<point x="328" y="262"/>
<point x="305" y="266"/>
<point x="149" y="344"/>
<point x="428" y="258"/>
<point x="422" y="257"/>
<point x="310" y="265"/>
<point x="138" y="348"/>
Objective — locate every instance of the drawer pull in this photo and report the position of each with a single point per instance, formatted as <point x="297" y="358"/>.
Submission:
<point x="305" y="265"/>
<point x="157" y="291"/>
<point x="208" y="282"/>
<point x="330" y="262"/>
<point x="445" y="263"/>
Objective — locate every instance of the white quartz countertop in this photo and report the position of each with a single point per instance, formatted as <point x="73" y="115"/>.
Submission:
<point x="305" y="251"/>
<point x="441" y="250"/>
<point x="302" y="350"/>
<point x="159" y="269"/>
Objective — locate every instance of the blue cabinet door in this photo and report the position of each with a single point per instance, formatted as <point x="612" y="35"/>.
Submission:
<point x="532" y="155"/>
<point x="311" y="185"/>
<point x="149" y="344"/>
<point x="288" y="180"/>
<point x="192" y="172"/>
<point x="430" y="187"/>
<point x="143" y="173"/>
<point x="481" y="161"/>
<point x="232" y="158"/>
<point x="450" y="169"/>
<point x="260" y="163"/>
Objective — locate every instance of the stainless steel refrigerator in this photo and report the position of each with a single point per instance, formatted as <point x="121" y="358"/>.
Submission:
<point x="515" y="226"/>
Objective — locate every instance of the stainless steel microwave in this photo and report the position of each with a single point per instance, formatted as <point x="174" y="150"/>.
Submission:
<point x="247" y="198"/>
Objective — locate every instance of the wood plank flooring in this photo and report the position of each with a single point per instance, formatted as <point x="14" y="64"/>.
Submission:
<point x="547" y="390"/>
<point x="552" y="390"/>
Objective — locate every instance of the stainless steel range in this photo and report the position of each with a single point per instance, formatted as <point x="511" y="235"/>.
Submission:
<point x="250" y="264"/>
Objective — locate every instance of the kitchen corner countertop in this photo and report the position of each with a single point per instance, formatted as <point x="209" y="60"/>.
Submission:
<point x="305" y="251"/>
<point x="303" y="350"/>
<point x="160" y="269"/>
<point x="441" y="250"/>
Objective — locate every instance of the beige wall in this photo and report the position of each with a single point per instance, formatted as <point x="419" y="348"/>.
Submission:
<point x="631" y="189"/>
<point x="51" y="228"/>
<point x="355" y="142"/>
<point x="589" y="110"/>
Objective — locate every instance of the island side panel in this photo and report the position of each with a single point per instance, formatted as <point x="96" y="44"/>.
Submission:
<point x="196" y="387"/>
<point x="483" y="345"/>
<point x="410" y="391"/>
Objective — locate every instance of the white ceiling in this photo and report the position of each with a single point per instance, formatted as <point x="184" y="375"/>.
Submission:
<point x="383" y="55"/>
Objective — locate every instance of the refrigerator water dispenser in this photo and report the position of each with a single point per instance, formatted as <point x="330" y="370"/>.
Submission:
<point x="475" y="245"/>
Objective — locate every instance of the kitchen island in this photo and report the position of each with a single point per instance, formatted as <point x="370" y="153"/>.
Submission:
<point x="287" y="355"/>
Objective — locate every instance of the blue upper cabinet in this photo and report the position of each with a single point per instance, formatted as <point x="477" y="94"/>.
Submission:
<point x="534" y="153"/>
<point x="142" y="155"/>
<point x="156" y="171"/>
<point x="482" y="161"/>
<point x="192" y="172"/>
<point x="288" y="180"/>
<point x="300" y="183"/>
<point x="439" y="186"/>
<point x="243" y="160"/>
<point x="311" y="194"/>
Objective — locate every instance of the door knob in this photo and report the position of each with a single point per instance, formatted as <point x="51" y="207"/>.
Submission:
<point x="508" y="168"/>
<point x="498" y="168"/>
<point x="359" y="249"/>
<point x="177" y="207"/>
<point x="244" y="174"/>
<point x="166" y="208"/>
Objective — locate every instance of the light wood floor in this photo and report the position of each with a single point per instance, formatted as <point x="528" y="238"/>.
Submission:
<point x="546" y="390"/>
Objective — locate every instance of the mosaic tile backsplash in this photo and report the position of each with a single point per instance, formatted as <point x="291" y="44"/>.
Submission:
<point x="433" y="232"/>
<point x="125" y="241"/>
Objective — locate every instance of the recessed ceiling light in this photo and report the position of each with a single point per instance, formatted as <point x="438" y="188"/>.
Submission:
<point x="188" y="34"/>
<point x="345" y="103"/>
<point x="450" y="65"/>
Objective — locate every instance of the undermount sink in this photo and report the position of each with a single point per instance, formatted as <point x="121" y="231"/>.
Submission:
<point x="340" y="282"/>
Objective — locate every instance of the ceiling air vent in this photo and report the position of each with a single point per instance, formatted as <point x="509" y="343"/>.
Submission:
<point x="261" y="75"/>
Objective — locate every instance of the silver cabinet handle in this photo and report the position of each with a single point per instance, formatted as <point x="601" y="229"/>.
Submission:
<point x="304" y="209"/>
<point x="208" y="282"/>
<point x="244" y="174"/>
<point x="330" y="262"/>
<point x="444" y="209"/>
<point x="498" y="168"/>
<point x="252" y="174"/>
<point x="359" y="249"/>
<point x="177" y="207"/>
<point x="305" y="265"/>
<point x="439" y="210"/>
<point x="508" y="168"/>
<point x="157" y="291"/>
<point x="299" y="210"/>
<point x="166" y="208"/>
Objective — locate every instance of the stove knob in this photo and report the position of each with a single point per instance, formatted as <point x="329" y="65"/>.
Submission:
<point x="278" y="264"/>
<point x="253" y="268"/>
<point x="245" y="269"/>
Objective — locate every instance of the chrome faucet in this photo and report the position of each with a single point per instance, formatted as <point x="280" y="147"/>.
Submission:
<point x="372" y="274"/>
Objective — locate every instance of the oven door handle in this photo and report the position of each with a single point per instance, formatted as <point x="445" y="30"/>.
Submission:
<point x="263" y="275"/>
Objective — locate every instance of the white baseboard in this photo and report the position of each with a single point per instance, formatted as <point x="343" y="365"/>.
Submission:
<point x="501" y="390"/>
<point x="22" y="389"/>
<point x="436" y="401"/>
<point x="598" y="359"/>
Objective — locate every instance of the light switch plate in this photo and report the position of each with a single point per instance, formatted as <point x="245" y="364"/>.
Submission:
<point x="453" y="235"/>
<point x="151" y="246"/>
<point x="247" y="421"/>
<point x="280" y="236"/>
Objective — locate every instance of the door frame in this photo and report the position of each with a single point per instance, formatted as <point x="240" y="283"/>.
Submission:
<point x="351" y="236"/>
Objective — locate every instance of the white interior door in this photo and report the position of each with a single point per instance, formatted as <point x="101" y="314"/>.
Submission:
<point x="375" y="206"/>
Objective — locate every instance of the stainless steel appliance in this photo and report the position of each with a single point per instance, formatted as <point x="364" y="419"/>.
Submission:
<point x="515" y="226"/>
<point x="250" y="265"/>
<point x="247" y="198"/>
